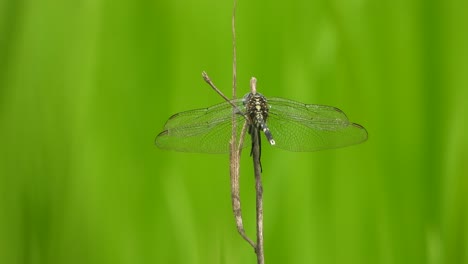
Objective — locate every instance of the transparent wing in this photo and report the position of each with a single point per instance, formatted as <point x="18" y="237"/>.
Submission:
<point x="306" y="127"/>
<point x="206" y="130"/>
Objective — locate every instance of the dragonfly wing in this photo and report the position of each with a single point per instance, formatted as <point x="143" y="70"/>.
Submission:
<point x="214" y="113"/>
<point x="206" y="130"/>
<point x="306" y="127"/>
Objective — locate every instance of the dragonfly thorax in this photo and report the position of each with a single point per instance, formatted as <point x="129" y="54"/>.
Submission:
<point x="257" y="108"/>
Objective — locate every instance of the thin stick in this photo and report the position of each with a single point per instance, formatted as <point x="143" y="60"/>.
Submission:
<point x="258" y="184"/>
<point x="234" y="156"/>
<point x="235" y="186"/>
<point x="235" y="189"/>
<point x="210" y="83"/>
<point x="234" y="52"/>
<point x="235" y="150"/>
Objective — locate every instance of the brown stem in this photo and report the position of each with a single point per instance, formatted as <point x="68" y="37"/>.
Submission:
<point x="259" y="194"/>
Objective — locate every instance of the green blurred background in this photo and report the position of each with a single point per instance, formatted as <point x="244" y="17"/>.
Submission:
<point x="85" y="86"/>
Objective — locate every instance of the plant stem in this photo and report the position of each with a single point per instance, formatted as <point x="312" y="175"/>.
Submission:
<point x="259" y="194"/>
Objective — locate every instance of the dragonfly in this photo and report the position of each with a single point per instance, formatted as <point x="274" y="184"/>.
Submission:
<point x="286" y="124"/>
